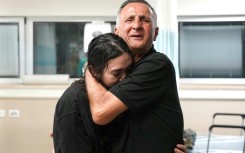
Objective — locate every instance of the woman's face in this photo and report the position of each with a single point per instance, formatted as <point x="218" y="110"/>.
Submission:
<point x="116" y="69"/>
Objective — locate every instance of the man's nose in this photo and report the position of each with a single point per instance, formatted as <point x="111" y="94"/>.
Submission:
<point x="137" y="24"/>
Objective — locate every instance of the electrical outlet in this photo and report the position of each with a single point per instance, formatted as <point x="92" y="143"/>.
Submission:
<point x="14" y="113"/>
<point x="2" y="113"/>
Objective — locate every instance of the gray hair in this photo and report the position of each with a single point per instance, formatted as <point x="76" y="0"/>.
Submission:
<point x="136" y="1"/>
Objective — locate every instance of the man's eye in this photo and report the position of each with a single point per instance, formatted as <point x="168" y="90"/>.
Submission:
<point x="129" y="19"/>
<point x="145" y="20"/>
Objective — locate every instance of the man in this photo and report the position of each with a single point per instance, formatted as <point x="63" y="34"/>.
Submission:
<point x="144" y="106"/>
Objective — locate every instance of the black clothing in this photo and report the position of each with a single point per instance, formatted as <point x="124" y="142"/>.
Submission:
<point x="74" y="130"/>
<point x="154" y="120"/>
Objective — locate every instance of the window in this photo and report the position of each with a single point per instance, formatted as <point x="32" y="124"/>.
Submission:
<point x="11" y="49"/>
<point x="42" y="47"/>
<point x="212" y="49"/>
<point x="59" y="46"/>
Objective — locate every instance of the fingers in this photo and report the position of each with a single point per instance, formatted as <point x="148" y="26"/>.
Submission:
<point x="178" y="151"/>
<point x="181" y="149"/>
<point x="51" y="133"/>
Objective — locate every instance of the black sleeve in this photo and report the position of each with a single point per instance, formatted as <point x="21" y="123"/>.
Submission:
<point x="73" y="137"/>
<point x="69" y="133"/>
<point x="150" y="81"/>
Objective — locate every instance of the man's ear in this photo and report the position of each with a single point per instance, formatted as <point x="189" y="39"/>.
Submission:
<point x="156" y="33"/>
<point x="116" y="31"/>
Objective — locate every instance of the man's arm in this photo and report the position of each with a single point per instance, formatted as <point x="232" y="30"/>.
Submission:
<point x="104" y="106"/>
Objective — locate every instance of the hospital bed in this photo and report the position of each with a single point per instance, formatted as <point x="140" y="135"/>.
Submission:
<point x="216" y="143"/>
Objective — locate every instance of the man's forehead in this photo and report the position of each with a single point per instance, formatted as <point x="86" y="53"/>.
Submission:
<point x="138" y="8"/>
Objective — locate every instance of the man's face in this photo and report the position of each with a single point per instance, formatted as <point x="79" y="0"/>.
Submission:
<point x="136" y="27"/>
<point x="116" y="69"/>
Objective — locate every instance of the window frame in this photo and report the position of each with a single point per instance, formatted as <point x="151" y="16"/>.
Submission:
<point x="212" y="18"/>
<point x="21" y="37"/>
<point x="30" y="41"/>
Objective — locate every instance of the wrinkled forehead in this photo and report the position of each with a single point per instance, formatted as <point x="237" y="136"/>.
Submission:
<point x="137" y="9"/>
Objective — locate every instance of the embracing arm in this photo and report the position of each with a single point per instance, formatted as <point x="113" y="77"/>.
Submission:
<point x="180" y="148"/>
<point x="104" y="105"/>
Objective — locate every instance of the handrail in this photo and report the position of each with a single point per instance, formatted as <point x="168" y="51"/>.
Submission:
<point x="230" y="114"/>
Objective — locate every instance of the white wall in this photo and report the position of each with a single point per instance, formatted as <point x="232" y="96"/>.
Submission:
<point x="198" y="113"/>
<point x="210" y="7"/>
<point x="59" y="7"/>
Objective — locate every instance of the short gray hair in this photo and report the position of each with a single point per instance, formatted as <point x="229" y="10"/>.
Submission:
<point x="136" y="1"/>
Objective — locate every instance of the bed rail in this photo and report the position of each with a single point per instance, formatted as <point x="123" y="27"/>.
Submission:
<point x="225" y="126"/>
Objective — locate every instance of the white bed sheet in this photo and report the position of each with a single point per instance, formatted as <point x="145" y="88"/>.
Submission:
<point x="218" y="144"/>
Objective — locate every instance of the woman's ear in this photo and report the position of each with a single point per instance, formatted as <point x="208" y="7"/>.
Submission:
<point x="93" y="72"/>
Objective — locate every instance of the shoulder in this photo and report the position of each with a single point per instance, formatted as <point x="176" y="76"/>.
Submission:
<point x="68" y="101"/>
<point x="159" y="57"/>
<point x="71" y="93"/>
<point x="153" y="61"/>
<point x="154" y="66"/>
<point x="153" y="57"/>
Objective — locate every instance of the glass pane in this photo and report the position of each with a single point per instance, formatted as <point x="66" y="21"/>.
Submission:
<point x="59" y="48"/>
<point x="212" y="50"/>
<point x="9" y="50"/>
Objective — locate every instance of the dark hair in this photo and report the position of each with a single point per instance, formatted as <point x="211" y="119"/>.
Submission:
<point x="138" y="1"/>
<point x="102" y="49"/>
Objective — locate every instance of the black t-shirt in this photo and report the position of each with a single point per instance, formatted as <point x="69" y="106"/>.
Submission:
<point x="74" y="130"/>
<point x="153" y="122"/>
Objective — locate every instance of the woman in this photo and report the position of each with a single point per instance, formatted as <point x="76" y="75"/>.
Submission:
<point x="109" y="59"/>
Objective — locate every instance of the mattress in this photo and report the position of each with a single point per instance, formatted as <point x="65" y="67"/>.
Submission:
<point x="218" y="144"/>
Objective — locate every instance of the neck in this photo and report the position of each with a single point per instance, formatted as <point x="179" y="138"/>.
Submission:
<point x="138" y="54"/>
<point x="137" y="58"/>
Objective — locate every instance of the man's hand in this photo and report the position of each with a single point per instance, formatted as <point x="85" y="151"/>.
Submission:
<point x="180" y="149"/>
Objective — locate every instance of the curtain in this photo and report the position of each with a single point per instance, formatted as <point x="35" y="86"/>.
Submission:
<point x="9" y="50"/>
<point x="167" y="40"/>
<point x="44" y="49"/>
